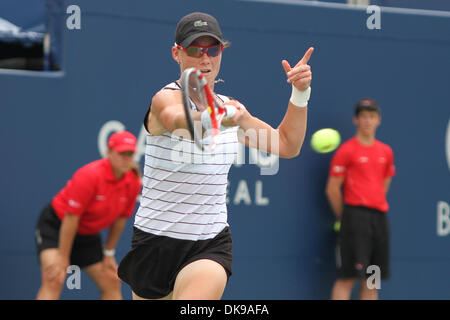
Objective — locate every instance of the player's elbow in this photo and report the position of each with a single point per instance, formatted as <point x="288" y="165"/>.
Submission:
<point x="290" y="147"/>
<point x="289" y="150"/>
<point x="290" y="154"/>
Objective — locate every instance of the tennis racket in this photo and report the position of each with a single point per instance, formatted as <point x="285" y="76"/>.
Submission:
<point x="197" y="95"/>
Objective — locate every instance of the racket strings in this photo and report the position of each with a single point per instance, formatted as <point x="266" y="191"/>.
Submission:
<point x="198" y="96"/>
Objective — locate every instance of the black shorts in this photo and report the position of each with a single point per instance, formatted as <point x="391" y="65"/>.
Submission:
<point x="86" y="250"/>
<point x="363" y="241"/>
<point x="153" y="263"/>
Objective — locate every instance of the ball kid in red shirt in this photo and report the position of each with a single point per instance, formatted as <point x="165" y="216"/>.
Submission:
<point x="359" y="178"/>
<point x="100" y="195"/>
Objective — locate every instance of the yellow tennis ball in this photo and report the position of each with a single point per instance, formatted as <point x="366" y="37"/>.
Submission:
<point x="325" y="140"/>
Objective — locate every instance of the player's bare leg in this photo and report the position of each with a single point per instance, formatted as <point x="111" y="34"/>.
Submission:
<point x="365" y="293"/>
<point x="342" y="289"/>
<point x="200" y="280"/>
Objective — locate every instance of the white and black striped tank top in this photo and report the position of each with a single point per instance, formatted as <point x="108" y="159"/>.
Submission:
<point x="184" y="189"/>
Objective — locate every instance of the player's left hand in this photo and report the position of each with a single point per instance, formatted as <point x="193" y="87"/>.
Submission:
<point x="240" y="114"/>
<point x="300" y="75"/>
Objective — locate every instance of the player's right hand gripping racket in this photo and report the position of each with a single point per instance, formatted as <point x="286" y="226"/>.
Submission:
<point x="195" y="90"/>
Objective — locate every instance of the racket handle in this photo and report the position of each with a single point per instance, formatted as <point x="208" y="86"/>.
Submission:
<point x="230" y="111"/>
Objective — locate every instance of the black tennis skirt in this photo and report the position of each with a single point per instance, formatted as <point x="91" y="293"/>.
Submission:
<point x="153" y="263"/>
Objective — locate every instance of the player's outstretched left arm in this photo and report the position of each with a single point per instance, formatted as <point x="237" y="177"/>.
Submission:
<point x="287" y="140"/>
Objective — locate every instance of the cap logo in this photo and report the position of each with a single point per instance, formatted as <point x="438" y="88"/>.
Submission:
<point x="200" y="23"/>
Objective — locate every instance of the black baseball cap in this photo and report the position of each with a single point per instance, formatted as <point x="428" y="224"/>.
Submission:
<point x="195" y="25"/>
<point x="367" y="104"/>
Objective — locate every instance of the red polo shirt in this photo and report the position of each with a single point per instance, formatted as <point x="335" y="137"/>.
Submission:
<point x="364" y="168"/>
<point x="97" y="196"/>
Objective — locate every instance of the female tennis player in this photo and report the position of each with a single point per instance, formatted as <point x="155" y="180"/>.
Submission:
<point x="100" y="195"/>
<point x="181" y="246"/>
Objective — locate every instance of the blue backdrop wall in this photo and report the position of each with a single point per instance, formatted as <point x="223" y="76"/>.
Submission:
<point x="52" y="123"/>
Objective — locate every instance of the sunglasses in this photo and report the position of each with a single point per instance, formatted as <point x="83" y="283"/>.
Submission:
<point x="198" y="51"/>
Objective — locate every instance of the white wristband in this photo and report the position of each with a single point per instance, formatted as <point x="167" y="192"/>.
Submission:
<point x="230" y="110"/>
<point x="206" y="118"/>
<point x="109" y="253"/>
<point x="300" y="98"/>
